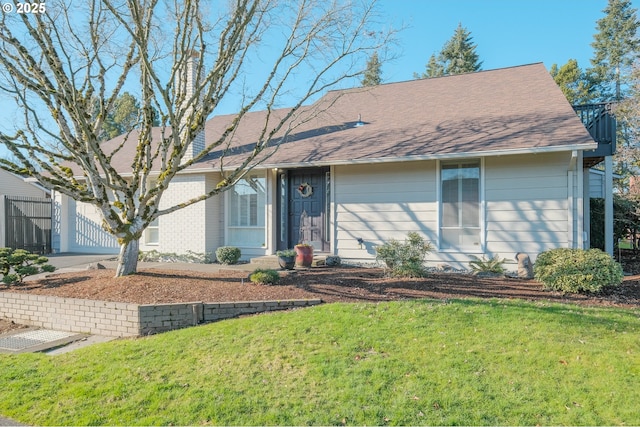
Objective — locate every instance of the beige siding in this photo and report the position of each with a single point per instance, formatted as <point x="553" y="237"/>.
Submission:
<point x="526" y="202"/>
<point x="12" y="185"/>
<point x="382" y="201"/>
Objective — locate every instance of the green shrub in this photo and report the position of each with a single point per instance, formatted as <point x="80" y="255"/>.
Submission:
<point x="264" y="277"/>
<point x="577" y="270"/>
<point x="493" y="265"/>
<point x="228" y="254"/>
<point x="405" y="259"/>
<point x="17" y="264"/>
<point x="286" y="253"/>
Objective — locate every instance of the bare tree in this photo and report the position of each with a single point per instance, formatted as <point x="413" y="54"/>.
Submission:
<point x="66" y="67"/>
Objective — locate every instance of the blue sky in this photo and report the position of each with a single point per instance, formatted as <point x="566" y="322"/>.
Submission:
<point x="507" y="33"/>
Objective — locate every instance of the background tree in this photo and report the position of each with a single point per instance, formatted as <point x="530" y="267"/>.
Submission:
<point x="627" y="112"/>
<point x="457" y="56"/>
<point x="616" y="47"/>
<point x="373" y="72"/>
<point x="434" y="68"/>
<point x="67" y="68"/>
<point x="573" y="82"/>
<point x="124" y="117"/>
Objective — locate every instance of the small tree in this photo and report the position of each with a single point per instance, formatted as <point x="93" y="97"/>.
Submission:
<point x="573" y="82"/>
<point x="373" y="72"/>
<point x="616" y="48"/>
<point x="458" y="56"/>
<point x="16" y="264"/>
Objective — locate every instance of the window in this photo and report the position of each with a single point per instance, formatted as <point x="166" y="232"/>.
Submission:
<point x="246" y="212"/>
<point x="460" y="205"/>
<point x="152" y="233"/>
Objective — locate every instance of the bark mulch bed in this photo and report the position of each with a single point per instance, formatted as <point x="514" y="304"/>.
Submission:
<point x="343" y="284"/>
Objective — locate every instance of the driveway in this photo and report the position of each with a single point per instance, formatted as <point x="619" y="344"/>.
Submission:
<point x="76" y="260"/>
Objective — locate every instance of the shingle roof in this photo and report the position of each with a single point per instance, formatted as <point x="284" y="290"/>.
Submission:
<point x="510" y="110"/>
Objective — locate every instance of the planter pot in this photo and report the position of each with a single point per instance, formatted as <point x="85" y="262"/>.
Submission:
<point x="304" y="256"/>
<point x="287" y="262"/>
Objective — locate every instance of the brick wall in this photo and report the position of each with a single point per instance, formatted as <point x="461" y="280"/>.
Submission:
<point x="122" y="319"/>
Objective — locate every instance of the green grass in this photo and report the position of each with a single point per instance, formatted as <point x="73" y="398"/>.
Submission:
<point x="465" y="362"/>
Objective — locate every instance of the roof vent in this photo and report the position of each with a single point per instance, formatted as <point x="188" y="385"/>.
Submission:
<point x="359" y="123"/>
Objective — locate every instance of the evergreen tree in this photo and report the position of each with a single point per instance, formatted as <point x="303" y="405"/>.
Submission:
<point x="373" y="72"/>
<point x="457" y="56"/>
<point x="573" y="82"/>
<point x="459" y="53"/>
<point x="616" y="47"/>
<point x="434" y="68"/>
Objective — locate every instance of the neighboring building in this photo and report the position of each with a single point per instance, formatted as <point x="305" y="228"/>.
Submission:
<point x="487" y="163"/>
<point x="23" y="231"/>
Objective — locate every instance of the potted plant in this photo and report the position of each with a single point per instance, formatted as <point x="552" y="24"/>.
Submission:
<point x="287" y="259"/>
<point x="304" y="255"/>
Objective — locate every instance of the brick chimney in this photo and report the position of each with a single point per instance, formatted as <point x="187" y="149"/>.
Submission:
<point x="197" y="145"/>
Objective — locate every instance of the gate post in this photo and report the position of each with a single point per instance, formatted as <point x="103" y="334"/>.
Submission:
<point x="3" y="222"/>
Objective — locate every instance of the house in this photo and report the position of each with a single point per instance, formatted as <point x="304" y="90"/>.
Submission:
<point x="487" y="163"/>
<point x="25" y="213"/>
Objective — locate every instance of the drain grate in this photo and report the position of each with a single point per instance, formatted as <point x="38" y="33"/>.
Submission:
<point x="28" y="339"/>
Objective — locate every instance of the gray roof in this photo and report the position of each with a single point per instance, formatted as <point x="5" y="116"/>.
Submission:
<point x="504" y="111"/>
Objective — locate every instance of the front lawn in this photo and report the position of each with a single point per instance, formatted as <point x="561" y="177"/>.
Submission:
<point x="418" y="362"/>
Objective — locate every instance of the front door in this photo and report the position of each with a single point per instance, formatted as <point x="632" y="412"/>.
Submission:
<point x="307" y="198"/>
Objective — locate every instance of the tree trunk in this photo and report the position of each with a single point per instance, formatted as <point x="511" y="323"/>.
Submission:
<point x="128" y="258"/>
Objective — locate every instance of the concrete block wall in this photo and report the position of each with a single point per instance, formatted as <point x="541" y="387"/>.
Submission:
<point x="117" y="319"/>
<point x="112" y="319"/>
<point x="156" y="318"/>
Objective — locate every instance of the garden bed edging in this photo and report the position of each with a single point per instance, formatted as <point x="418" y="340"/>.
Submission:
<point x="118" y="319"/>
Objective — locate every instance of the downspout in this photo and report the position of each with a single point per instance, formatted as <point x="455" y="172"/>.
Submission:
<point x="608" y="205"/>
<point x="571" y="241"/>
<point x="580" y="222"/>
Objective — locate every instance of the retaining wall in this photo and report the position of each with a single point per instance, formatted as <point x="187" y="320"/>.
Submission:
<point x="123" y="319"/>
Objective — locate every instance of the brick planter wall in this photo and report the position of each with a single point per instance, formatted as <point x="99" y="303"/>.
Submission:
<point x="122" y="319"/>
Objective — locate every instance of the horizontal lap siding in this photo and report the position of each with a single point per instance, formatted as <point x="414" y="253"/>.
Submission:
<point x="526" y="203"/>
<point x="383" y="201"/>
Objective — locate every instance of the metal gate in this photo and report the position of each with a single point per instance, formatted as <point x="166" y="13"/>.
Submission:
<point x="28" y="223"/>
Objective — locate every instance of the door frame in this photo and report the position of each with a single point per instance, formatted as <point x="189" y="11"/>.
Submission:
<point x="284" y="179"/>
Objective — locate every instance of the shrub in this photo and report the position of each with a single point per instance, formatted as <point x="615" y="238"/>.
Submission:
<point x="264" y="277"/>
<point x="493" y="265"/>
<point x="17" y="264"/>
<point x="405" y="259"/>
<point x="577" y="270"/>
<point x="286" y="253"/>
<point x="228" y="254"/>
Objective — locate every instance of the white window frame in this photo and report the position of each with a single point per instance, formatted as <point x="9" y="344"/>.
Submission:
<point x="228" y="213"/>
<point x="480" y="247"/>
<point x="153" y="226"/>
